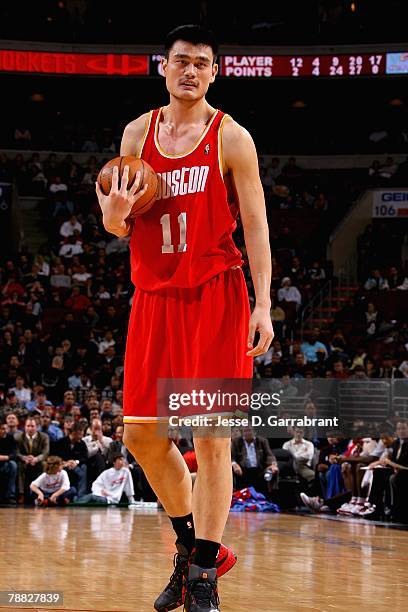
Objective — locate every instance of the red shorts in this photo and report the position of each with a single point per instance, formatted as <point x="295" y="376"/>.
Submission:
<point x="200" y="332"/>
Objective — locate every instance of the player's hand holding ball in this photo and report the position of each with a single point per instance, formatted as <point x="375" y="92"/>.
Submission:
<point x="124" y="197"/>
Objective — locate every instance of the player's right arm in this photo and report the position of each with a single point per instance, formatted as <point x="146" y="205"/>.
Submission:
<point x="117" y="205"/>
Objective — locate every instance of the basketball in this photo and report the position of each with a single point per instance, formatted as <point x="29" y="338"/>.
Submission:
<point x="148" y="176"/>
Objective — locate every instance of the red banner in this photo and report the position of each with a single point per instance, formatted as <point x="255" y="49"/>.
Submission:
<point x="106" y="64"/>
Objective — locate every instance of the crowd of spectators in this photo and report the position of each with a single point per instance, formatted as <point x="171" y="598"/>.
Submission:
<point x="359" y="477"/>
<point x="63" y="320"/>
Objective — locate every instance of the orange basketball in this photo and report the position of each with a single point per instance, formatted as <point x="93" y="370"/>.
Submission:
<point x="148" y="176"/>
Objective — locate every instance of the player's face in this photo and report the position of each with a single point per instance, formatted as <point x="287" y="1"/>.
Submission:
<point x="189" y="70"/>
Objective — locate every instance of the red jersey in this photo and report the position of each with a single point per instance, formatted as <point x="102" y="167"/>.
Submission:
<point x="186" y="237"/>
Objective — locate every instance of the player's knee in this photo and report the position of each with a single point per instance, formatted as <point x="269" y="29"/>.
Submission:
<point x="141" y="438"/>
<point x="136" y="435"/>
<point x="212" y="449"/>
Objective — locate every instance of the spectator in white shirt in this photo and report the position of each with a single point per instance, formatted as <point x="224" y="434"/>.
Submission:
<point x="43" y="266"/>
<point x="70" y="248"/>
<point x="376" y="281"/>
<point x="303" y="453"/>
<point x="103" y="293"/>
<point x="98" y="447"/>
<point x="22" y="392"/>
<point x="111" y="484"/>
<point x="68" y="227"/>
<point x="52" y="487"/>
<point x="106" y="342"/>
<point x="95" y="441"/>
<point x="57" y="185"/>
<point x="289" y="293"/>
<point x="82" y="275"/>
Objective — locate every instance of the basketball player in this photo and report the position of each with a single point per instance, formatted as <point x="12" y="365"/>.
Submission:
<point x="190" y="314"/>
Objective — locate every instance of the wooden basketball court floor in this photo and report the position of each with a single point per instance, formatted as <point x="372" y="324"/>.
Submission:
<point x="106" y="559"/>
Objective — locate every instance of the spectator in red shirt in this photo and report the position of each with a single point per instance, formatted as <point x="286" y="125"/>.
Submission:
<point x="12" y="286"/>
<point x="77" y="302"/>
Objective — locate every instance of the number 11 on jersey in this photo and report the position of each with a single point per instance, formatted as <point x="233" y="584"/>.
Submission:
<point x="167" y="246"/>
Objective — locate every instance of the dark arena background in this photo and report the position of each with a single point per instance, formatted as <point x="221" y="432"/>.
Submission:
<point x="321" y="85"/>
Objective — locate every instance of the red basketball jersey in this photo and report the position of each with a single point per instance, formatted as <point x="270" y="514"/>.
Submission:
<point x="186" y="237"/>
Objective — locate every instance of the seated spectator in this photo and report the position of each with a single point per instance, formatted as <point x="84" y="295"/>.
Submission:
<point x="48" y="427"/>
<point x="316" y="273"/>
<point x="303" y="453"/>
<point x="70" y="247"/>
<point x="42" y="265"/>
<point x="103" y="293"/>
<point x="390" y="483"/>
<point x="56" y="185"/>
<point x="59" y="279"/>
<point x="107" y="425"/>
<point x="98" y="447"/>
<point x="22" y="137"/>
<point x="73" y="450"/>
<point x="90" y="145"/>
<point x="396" y="280"/>
<point x="372" y="320"/>
<point x="330" y="479"/>
<point x="77" y="302"/>
<point x="117" y="447"/>
<point x="82" y="276"/>
<point x="310" y="349"/>
<point x="278" y="317"/>
<point x="321" y="203"/>
<point x="376" y="281"/>
<point x="67" y="424"/>
<point x="389" y="168"/>
<point x="106" y="342"/>
<point x="252" y="458"/>
<point x="286" y="389"/>
<point x="68" y="402"/>
<point x="339" y="370"/>
<point x="52" y="487"/>
<point x="12" y="424"/>
<point x="111" y="484"/>
<point x="358" y="454"/>
<point x="32" y="449"/>
<point x="23" y="393"/>
<point x="289" y="293"/>
<point x="54" y="379"/>
<point x="374" y="170"/>
<point x="291" y="169"/>
<point x="40" y="401"/>
<point x="68" y="227"/>
<point x="8" y="465"/>
<point x="13" y="287"/>
<point x="383" y="449"/>
<point x="403" y="367"/>
<point x="388" y="369"/>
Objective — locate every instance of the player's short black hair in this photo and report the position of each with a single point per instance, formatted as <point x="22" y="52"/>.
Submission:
<point x="192" y="33"/>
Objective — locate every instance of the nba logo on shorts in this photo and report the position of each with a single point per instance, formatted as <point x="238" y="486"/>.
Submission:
<point x="206" y="149"/>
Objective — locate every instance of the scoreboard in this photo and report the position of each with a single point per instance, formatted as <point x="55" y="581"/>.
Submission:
<point x="303" y="65"/>
<point x="231" y="66"/>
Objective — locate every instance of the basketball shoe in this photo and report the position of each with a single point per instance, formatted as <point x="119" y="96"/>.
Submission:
<point x="173" y="595"/>
<point x="201" y="590"/>
<point x="314" y="503"/>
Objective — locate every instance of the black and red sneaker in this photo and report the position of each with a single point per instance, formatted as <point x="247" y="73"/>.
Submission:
<point x="226" y="559"/>
<point x="173" y="595"/>
<point x="201" y="590"/>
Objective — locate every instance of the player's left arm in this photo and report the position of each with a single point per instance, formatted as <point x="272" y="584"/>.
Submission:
<point x="241" y="163"/>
